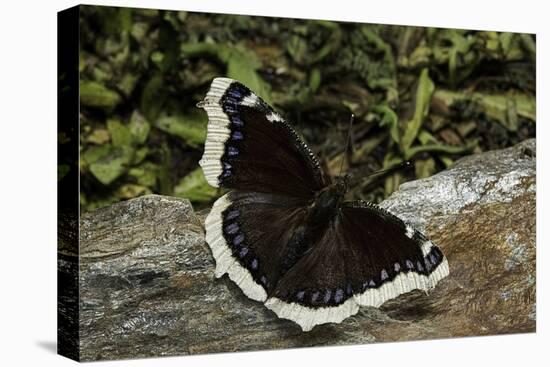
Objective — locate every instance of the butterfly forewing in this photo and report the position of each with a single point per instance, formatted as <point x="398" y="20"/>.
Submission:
<point x="250" y="147"/>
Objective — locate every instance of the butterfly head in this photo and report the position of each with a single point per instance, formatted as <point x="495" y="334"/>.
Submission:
<point x="331" y="196"/>
<point x="342" y="183"/>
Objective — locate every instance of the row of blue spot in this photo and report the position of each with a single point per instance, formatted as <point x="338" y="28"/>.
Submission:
<point x="235" y="237"/>
<point x="230" y="101"/>
<point x="339" y="295"/>
<point x="324" y="297"/>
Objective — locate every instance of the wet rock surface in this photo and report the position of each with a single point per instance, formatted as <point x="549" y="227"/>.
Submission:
<point x="147" y="285"/>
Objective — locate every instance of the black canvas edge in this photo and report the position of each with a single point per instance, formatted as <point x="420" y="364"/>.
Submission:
<point x="68" y="186"/>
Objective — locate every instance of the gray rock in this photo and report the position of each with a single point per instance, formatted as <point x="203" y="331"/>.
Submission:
<point x="482" y="179"/>
<point x="147" y="285"/>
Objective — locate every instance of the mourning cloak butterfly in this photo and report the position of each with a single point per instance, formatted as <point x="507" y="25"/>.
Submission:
<point x="285" y="235"/>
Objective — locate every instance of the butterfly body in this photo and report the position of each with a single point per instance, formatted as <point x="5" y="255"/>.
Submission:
<point x="325" y="206"/>
<point x="285" y="235"/>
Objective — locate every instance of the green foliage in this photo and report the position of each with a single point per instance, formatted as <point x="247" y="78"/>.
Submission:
<point x="422" y="94"/>
<point x="153" y="97"/>
<point x="190" y="128"/>
<point x="312" y="43"/>
<point x="195" y="188"/>
<point x="422" y="103"/>
<point x="503" y="108"/>
<point x="120" y="134"/>
<point x="241" y="64"/>
<point x="94" y="94"/>
<point x="112" y="164"/>
<point x="139" y="128"/>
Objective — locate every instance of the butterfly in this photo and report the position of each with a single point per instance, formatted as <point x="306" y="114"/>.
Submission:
<point x="284" y="233"/>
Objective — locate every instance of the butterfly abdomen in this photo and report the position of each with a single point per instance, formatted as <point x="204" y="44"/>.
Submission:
<point x="298" y="244"/>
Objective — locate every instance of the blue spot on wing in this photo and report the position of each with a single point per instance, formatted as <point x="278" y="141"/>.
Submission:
<point x="237" y="121"/>
<point x="238" y="239"/>
<point x="232" y="228"/>
<point x="327" y="296"/>
<point x="338" y="295"/>
<point x="243" y="252"/>
<point x="232" y="214"/>
<point x="237" y="135"/>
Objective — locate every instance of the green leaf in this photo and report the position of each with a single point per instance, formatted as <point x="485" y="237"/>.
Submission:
<point x="242" y="64"/>
<point x="389" y="118"/>
<point x="381" y="74"/>
<point x="297" y="49"/>
<point x="381" y="45"/>
<point x="505" y="39"/>
<point x="440" y="148"/>
<point x="139" y="30"/>
<point x="528" y="42"/>
<point x="139" y="127"/>
<point x="446" y="160"/>
<point x="424" y="93"/>
<point x="127" y="84"/>
<point x="93" y="153"/>
<point x="98" y="136"/>
<point x="392" y="182"/>
<point x="153" y="97"/>
<point x="497" y="106"/>
<point x="145" y="174"/>
<point x="195" y="188"/>
<point x="191" y="128"/>
<point x="239" y="68"/>
<point x="120" y="133"/>
<point x="424" y="167"/>
<point x="164" y="175"/>
<point x="156" y="58"/>
<point x="298" y="45"/>
<point x="424" y="137"/>
<point x="420" y="56"/>
<point x="139" y="155"/>
<point x="93" y="94"/>
<point x="502" y="107"/>
<point x="314" y="79"/>
<point x="128" y="191"/>
<point x="111" y="166"/>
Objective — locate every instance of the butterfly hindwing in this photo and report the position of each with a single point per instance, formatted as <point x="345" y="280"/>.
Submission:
<point x="316" y="289"/>
<point x="248" y="233"/>
<point x="396" y="257"/>
<point x="365" y="257"/>
<point x="251" y="147"/>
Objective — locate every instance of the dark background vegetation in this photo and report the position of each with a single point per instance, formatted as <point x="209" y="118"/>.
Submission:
<point x="421" y="94"/>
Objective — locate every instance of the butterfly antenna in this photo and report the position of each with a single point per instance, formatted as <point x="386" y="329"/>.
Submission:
<point x="348" y="138"/>
<point x="398" y="167"/>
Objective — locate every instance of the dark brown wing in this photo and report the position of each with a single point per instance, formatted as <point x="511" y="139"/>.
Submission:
<point x="248" y="233"/>
<point x="251" y="148"/>
<point x="365" y="257"/>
